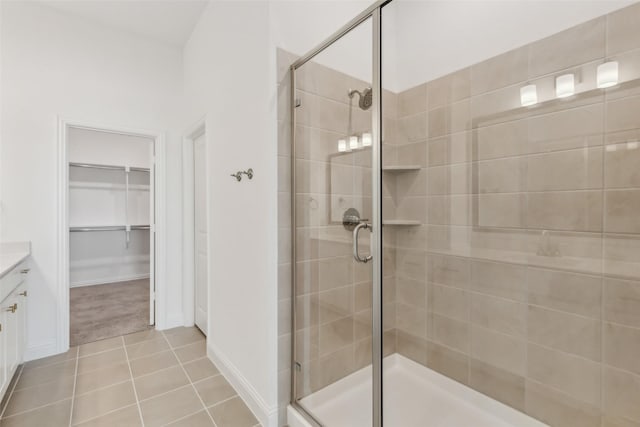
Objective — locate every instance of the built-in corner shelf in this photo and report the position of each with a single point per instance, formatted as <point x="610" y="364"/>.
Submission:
<point x="401" y="168"/>
<point x="401" y="222"/>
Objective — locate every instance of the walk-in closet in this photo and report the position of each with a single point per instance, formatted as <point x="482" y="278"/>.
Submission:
<point x="111" y="243"/>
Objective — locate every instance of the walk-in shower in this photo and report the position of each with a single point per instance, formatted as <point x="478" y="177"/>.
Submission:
<point x="496" y="173"/>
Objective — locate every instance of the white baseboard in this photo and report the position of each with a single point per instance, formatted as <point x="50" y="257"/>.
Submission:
<point x="39" y="351"/>
<point x="266" y="415"/>
<point x="104" y="281"/>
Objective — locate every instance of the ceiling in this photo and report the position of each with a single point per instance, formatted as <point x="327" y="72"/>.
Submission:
<point x="166" y="21"/>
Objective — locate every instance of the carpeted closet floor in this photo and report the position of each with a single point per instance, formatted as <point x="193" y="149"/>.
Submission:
<point x="109" y="310"/>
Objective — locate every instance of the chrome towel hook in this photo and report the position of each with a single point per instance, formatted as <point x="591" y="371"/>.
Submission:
<point x="249" y="173"/>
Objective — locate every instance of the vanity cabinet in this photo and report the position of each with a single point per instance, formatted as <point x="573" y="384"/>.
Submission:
<point x="13" y="316"/>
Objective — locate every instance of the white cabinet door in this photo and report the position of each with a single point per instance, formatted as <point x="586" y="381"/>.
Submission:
<point x="11" y="310"/>
<point x="200" y="238"/>
<point x="21" y="298"/>
<point x="3" y="350"/>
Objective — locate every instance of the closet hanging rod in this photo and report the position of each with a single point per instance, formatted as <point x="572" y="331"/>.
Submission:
<point x="110" y="228"/>
<point x="109" y="167"/>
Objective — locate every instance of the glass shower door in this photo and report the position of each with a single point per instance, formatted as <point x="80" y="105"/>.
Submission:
<point x="333" y="217"/>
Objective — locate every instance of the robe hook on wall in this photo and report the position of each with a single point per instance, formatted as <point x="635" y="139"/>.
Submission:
<point x="238" y="175"/>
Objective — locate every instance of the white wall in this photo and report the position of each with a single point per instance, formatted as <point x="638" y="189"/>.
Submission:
<point x="229" y="77"/>
<point x="435" y="38"/>
<point x="56" y="64"/>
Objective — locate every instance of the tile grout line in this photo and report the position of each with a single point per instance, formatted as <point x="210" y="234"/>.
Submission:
<point x="37" y="407"/>
<point x="75" y="382"/>
<point x="173" y="366"/>
<point x="199" y="410"/>
<point x="189" y="378"/>
<point x="107" y="413"/>
<point x="133" y="383"/>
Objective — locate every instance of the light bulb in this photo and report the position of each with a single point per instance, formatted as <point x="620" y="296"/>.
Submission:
<point x="607" y="74"/>
<point x="342" y="145"/>
<point x="366" y="139"/>
<point x="353" y="142"/>
<point x="528" y="95"/>
<point x="565" y="85"/>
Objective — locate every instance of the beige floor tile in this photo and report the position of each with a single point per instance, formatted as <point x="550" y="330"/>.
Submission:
<point x="147" y="348"/>
<point x="200" y="369"/>
<point x="141" y="336"/>
<point x="34" y="397"/>
<point x="52" y="360"/>
<point x="183" y="337"/>
<point x="214" y="390"/>
<point x="125" y="417"/>
<point x="201" y="419"/>
<point x="100" y="402"/>
<point x="155" y="362"/>
<point x="232" y="413"/>
<point x="101" y="360"/>
<point x="56" y="414"/>
<point x="170" y="407"/>
<point x="100" y="346"/>
<point x="160" y="382"/>
<point x="38" y="376"/>
<point x="100" y="378"/>
<point x="192" y="351"/>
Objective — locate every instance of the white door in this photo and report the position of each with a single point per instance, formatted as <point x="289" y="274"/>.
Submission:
<point x="200" y="230"/>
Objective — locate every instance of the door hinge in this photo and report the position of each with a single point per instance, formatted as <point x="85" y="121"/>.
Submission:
<point x="297" y="102"/>
<point x="297" y="366"/>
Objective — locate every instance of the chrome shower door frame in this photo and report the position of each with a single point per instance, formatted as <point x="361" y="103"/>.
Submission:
<point x="374" y="12"/>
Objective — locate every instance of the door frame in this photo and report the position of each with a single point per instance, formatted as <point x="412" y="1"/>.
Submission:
<point x="196" y="130"/>
<point x="159" y="205"/>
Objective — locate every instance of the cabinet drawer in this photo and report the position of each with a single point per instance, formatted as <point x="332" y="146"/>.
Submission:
<point x="12" y="280"/>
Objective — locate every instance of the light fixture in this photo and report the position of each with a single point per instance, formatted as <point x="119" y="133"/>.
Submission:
<point x="366" y="139"/>
<point x="607" y="74"/>
<point x="353" y="143"/>
<point x="342" y="145"/>
<point x="565" y="85"/>
<point x="632" y="145"/>
<point x="528" y="95"/>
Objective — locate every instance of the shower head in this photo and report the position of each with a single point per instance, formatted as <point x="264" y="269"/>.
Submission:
<point x="366" y="97"/>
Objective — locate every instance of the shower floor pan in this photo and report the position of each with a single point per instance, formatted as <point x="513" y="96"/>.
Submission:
<point x="415" y="396"/>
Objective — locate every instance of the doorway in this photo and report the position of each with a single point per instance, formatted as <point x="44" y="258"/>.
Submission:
<point x="195" y="232"/>
<point x="201" y="275"/>
<point x="110" y="232"/>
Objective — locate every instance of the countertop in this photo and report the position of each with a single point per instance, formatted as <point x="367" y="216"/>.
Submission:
<point x="12" y="254"/>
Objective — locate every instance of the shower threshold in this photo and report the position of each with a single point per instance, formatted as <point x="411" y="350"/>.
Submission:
<point x="414" y="396"/>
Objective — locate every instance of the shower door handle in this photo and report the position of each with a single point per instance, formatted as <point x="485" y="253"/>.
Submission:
<point x="356" y="252"/>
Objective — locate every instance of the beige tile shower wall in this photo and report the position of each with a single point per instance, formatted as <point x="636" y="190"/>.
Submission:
<point x="333" y="291"/>
<point x="525" y="282"/>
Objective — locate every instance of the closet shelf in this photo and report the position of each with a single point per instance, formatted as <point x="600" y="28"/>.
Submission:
<point x="105" y="186"/>
<point x="109" y="167"/>
<point x="109" y="228"/>
<point x="401" y="168"/>
<point x="401" y="222"/>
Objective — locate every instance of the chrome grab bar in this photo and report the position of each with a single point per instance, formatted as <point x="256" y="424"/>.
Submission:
<point x="356" y="252"/>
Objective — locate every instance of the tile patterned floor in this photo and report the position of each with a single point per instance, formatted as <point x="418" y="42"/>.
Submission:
<point x="149" y="378"/>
